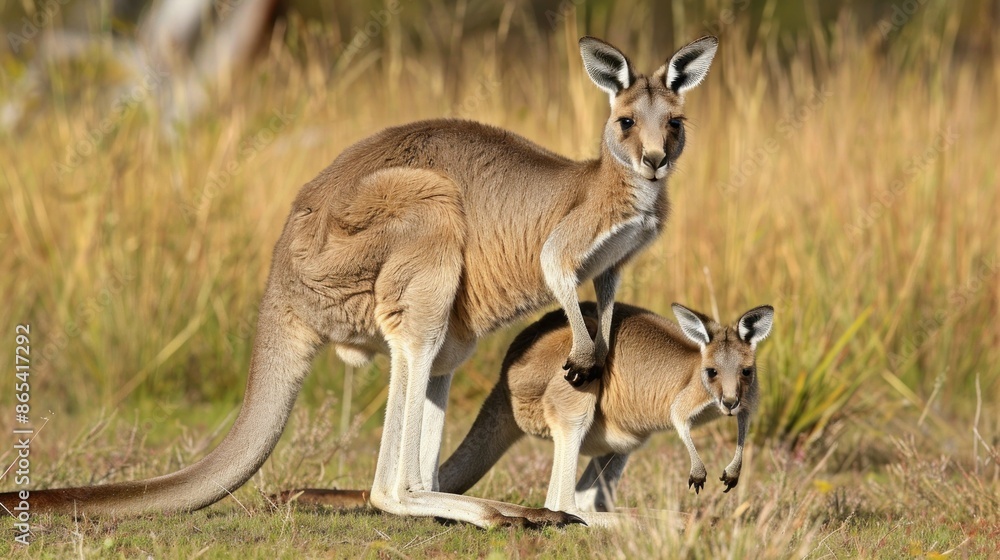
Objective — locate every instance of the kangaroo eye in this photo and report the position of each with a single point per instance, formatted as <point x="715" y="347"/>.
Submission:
<point x="711" y="373"/>
<point x="626" y="123"/>
<point x="674" y="123"/>
<point x="747" y="372"/>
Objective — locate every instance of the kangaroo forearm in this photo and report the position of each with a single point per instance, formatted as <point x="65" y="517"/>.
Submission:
<point x="743" y="427"/>
<point x="559" y="259"/>
<point x="605" y="286"/>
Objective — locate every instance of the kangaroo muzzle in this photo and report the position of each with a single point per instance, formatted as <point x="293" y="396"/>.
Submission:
<point x="730" y="404"/>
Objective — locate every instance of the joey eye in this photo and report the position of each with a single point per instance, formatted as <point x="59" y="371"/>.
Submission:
<point x="747" y="371"/>
<point x="674" y="123"/>
<point x="626" y="123"/>
<point x="711" y="373"/>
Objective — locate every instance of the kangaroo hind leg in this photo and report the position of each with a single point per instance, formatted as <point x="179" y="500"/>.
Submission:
<point x="596" y="489"/>
<point x="415" y="294"/>
<point x="414" y="331"/>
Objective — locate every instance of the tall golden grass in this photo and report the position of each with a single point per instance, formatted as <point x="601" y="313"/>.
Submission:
<point x="844" y="176"/>
<point x="843" y="172"/>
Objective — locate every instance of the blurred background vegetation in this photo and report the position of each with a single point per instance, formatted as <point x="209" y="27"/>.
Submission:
<point x="841" y="165"/>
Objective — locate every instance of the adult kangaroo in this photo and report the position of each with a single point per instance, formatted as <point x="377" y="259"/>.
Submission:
<point x="419" y="240"/>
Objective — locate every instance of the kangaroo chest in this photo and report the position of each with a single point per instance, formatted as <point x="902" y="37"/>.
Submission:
<point x="604" y="438"/>
<point x="629" y="235"/>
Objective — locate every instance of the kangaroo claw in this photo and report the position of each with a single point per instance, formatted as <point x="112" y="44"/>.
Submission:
<point x="580" y="375"/>
<point x="697" y="483"/>
<point x="729" y="481"/>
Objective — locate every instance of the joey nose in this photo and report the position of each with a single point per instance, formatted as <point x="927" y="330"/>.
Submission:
<point x="731" y="403"/>
<point x="655" y="160"/>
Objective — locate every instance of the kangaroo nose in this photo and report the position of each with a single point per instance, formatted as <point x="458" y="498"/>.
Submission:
<point x="655" y="160"/>
<point x="731" y="403"/>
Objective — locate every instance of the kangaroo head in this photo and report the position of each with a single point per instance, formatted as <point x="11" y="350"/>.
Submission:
<point x="728" y="353"/>
<point x="645" y="132"/>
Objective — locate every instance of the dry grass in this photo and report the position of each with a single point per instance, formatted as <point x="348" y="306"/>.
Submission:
<point x="841" y="176"/>
<point x="918" y="504"/>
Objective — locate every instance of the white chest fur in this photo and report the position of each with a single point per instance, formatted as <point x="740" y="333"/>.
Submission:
<point x="646" y="194"/>
<point x="603" y="439"/>
<point x="625" y="237"/>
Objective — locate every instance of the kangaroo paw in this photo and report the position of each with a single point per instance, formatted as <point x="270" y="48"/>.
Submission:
<point x="579" y="375"/>
<point x="729" y="481"/>
<point x="697" y="482"/>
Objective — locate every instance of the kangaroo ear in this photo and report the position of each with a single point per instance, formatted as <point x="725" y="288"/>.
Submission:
<point x="755" y="325"/>
<point x="606" y="65"/>
<point x="689" y="65"/>
<point x="692" y="324"/>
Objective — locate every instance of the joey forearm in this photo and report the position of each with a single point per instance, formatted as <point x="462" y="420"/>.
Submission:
<point x="731" y="476"/>
<point x="698" y="473"/>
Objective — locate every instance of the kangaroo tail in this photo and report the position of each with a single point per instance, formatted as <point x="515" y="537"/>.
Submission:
<point x="282" y="353"/>
<point x="493" y="432"/>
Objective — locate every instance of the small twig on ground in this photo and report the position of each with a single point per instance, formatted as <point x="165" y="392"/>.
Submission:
<point x="975" y="427"/>
<point x="428" y="539"/>
<point x="235" y="498"/>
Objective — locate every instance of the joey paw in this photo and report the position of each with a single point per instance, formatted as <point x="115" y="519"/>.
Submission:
<point x="579" y="375"/>
<point x="697" y="482"/>
<point x="729" y="481"/>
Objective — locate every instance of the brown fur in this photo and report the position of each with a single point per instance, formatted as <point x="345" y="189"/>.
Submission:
<point x="655" y="378"/>
<point x="415" y="242"/>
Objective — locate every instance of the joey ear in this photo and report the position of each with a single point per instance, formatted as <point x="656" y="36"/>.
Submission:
<point x="692" y="324"/>
<point x="606" y="65"/>
<point x="755" y="325"/>
<point x="689" y="65"/>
